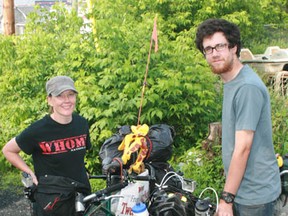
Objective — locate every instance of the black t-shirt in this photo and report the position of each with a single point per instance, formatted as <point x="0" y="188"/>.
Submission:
<point x="57" y="149"/>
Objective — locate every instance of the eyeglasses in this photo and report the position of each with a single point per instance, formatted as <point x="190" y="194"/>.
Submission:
<point x="218" y="47"/>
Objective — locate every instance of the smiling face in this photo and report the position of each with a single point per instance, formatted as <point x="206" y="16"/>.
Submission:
<point x="222" y="57"/>
<point x="63" y="106"/>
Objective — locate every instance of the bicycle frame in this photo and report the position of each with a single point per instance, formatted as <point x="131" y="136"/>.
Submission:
<point x="102" y="200"/>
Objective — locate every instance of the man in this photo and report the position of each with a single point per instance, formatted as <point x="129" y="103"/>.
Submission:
<point x="252" y="176"/>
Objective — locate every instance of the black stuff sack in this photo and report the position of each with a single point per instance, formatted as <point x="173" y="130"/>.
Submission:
<point x="159" y="142"/>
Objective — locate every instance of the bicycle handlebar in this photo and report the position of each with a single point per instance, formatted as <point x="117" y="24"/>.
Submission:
<point x="98" y="177"/>
<point x="141" y="178"/>
<point x="126" y="178"/>
<point x="107" y="190"/>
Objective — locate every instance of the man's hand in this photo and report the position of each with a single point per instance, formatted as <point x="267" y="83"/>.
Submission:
<point x="224" y="209"/>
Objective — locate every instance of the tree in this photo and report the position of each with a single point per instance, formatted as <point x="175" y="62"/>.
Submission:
<point x="181" y="91"/>
<point x="8" y="17"/>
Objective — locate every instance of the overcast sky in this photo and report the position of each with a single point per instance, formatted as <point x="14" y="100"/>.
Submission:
<point x="18" y="2"/>
<point x="21" y="2"/>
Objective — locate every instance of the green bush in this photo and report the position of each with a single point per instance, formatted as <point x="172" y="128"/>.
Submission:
<point x="206" y="171"/>
<point x="279" y="106"/>
<point x="109" y="66"/>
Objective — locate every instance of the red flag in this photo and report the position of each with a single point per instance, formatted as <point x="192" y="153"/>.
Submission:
<point x="154" y="35"/>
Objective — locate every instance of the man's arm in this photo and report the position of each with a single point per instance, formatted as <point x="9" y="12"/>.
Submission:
<point x="243" y="144"/>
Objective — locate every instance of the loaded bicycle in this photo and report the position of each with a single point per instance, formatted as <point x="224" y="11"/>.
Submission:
<point x="135" y="167"/>
<point x="173" y="194"/>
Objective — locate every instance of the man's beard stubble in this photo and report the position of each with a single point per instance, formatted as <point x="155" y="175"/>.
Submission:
<point x="227" y="67"/>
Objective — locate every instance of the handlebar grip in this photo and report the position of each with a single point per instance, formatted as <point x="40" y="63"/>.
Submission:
<point x="141" y="178"/>
<point x="107" y="190"/>
<point x="97" y="177"/>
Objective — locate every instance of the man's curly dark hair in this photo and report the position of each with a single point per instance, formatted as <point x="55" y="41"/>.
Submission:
<point x="211" y="26"/>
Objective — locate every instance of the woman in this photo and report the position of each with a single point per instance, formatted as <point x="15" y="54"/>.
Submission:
<point x="58" y="144"/>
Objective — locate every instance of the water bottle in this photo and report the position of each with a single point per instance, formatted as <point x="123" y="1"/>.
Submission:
<point x="202" y="207"/>
<point x="27" y="180"/>
<point x="140" y="210"/>
<point x="79" y="204"/>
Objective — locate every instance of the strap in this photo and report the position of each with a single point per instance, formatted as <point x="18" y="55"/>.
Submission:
<point x="51" y="183"/>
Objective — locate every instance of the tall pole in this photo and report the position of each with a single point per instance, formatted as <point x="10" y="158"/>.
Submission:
<point x="8" y="17"/>
<point x="154" y="38"/>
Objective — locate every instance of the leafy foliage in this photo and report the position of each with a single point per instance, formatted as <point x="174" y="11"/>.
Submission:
<point x="279" y="108"/>
<point x="10" y="182"/>
<point x="206" y="171"/>
<point x="109" y="64"/>
<point x="173" y="87"/>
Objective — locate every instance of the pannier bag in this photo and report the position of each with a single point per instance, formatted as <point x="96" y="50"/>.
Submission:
<point x="283" y="166"/>
<point x="172" y="201"/>
<point x="55" y="195"/>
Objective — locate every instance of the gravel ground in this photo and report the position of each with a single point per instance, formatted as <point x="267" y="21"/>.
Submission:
<point x="14" y="204"/>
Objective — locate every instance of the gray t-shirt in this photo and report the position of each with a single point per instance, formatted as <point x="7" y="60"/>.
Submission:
<point x="246" y="106"/>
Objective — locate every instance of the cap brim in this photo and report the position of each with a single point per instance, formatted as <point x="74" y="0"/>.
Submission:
<point x="62" y="89"/>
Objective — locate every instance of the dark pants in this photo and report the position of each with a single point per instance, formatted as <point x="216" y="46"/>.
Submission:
<point x="267" y="209"/>
<point x="59" y="208"/>
<point x="55" y="196"/>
